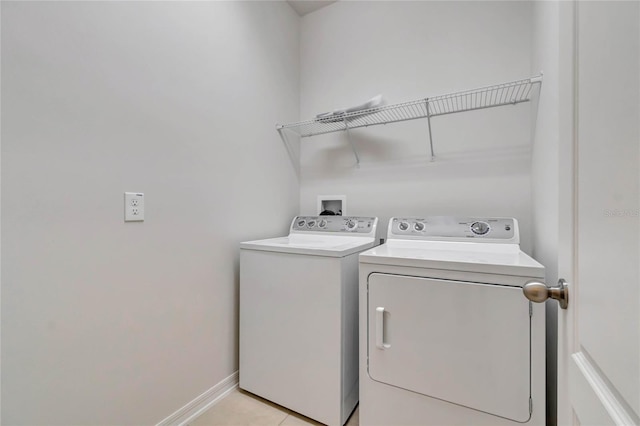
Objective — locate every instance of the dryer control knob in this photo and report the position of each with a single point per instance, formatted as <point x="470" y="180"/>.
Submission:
<point x="403" y="226"/>
<point x="311" y="223"/>
<point x="322" y="223"/>
<point x="352" y="224"/>
<point x="480" y="228"/>
<point x="301" y="223"/>
<point x="419" y="226"/>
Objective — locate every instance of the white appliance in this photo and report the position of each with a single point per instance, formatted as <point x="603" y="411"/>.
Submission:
<point x="447" y="336"/>
<point x="299" y="315"/>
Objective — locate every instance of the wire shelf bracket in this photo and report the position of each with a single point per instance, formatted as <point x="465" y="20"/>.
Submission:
<point x="510" y="93"/>
<point x="295" y="162"/>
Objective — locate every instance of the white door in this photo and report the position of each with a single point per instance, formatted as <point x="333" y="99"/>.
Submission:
<point x="599" y="253"/>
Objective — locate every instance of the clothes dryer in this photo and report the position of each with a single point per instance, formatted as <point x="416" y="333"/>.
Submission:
<point x="299" y="315"/>
<point x="447" y="336"/>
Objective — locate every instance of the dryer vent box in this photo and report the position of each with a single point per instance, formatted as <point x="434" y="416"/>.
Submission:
<point x="332" y="205"/>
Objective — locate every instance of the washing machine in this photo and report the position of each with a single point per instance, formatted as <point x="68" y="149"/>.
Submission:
<point x="299" y="315"/>
<point x="447" y="336"/>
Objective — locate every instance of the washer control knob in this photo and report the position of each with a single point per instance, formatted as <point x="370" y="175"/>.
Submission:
<point x="419" y="226"/>
<point x="311" y="223"/>
<point x="301" y="223"/>
<point x="322" y="223"/>
<point x="480" y="228"/>
<point x="352" y="224"/>
<point x="403" y="226"/>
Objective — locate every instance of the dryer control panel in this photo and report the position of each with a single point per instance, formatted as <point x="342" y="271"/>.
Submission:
<point x="450" y="228"/>
<point x="349" y="224"/>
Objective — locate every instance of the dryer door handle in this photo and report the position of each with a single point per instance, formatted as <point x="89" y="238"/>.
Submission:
<point x="380" y="344"/>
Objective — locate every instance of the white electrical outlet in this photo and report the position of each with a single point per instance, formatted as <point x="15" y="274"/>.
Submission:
<point x="133" y="206"/>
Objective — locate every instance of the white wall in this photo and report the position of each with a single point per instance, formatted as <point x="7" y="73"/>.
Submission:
<point x="545" y="174"/>
<point x="106" y="322"/>
<point x="351" y="51"/>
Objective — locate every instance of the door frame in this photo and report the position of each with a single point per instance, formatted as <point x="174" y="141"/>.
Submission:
<point x="567" y="150"/>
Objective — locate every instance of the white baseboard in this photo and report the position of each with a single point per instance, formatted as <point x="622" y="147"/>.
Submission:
<point x="201" y="403"/>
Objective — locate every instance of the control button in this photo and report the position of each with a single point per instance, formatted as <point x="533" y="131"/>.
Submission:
<point x="403" y="226"/>
<point x="480" y="228"/>
<point x="419" y="226"/>
<point x="301" y="223"/>
<point x="352" y="224"/>
<point x="507" y="227"/>
<point x="311" y="223"/>
<point x="322" y="223"/>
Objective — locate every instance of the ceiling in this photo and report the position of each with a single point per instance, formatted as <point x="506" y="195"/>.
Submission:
<point x="303" y="7"/>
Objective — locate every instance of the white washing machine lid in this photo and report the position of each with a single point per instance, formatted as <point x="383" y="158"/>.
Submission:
<point x="501" y="259"/>
<point x="313" y="244"/>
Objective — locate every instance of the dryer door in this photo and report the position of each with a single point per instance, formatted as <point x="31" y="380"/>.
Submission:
<point x="461" y="342"/>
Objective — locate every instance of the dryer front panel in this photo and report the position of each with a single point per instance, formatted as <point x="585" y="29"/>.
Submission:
<point x="464" y="343"/>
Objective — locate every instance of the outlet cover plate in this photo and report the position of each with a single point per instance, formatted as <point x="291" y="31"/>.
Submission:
<point x="133" y="207"/>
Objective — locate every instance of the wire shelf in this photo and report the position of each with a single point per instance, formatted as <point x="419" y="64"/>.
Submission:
<point x="510" y="93"/>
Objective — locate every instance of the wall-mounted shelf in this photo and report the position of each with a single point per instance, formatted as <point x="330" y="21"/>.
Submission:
<point x="510" y="93"/>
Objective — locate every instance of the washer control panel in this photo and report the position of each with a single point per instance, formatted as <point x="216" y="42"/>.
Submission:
<point x="352" y="224"/>
<point x="454" y="228"/>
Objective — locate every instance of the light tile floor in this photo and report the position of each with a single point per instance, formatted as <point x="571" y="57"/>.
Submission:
<point x="241" y="408"/>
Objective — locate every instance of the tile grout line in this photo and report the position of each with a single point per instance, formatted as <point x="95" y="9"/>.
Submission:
<point x="285" y="418"/>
